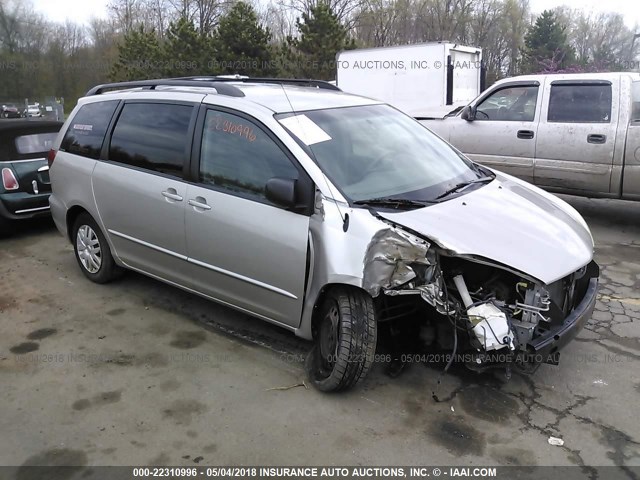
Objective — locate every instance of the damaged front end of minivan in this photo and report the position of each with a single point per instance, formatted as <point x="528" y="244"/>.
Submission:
<point x="491" y="315"/>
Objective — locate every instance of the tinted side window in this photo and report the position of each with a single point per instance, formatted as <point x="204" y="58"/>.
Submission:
<point x="635" y="99"/>
<point x="152" y="136"/>
<point x="511" y="104"/>
<point x="239" y="157"/>
<point x="86" y="130"/>
<point x="580" y="103"/>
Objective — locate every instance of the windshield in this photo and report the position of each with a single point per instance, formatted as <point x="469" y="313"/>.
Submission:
<point x="375" y="151"/>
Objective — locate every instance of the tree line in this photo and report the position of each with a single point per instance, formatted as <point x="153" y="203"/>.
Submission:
<point x="290" y="38"/>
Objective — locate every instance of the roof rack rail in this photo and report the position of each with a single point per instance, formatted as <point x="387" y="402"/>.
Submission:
<point x="221" y="88"/>
<point x="303" y="82"/>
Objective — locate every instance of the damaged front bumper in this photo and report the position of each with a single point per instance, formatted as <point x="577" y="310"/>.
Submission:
<point x="506" y="319"/>
<point x="545" y="347"/>
<point x="552" y="341"/>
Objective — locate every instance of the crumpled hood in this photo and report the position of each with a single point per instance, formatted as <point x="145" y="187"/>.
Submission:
<point x="510" y="222"/>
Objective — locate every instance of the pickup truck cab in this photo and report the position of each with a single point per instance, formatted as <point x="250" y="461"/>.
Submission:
<point x="567" y="133"/>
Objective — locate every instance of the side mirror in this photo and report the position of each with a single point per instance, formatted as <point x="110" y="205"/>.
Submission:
<point x="468" y="113"/>
<point x="281" y="191"/>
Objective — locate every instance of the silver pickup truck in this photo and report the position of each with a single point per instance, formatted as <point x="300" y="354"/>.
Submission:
<point x="573" y="133"/>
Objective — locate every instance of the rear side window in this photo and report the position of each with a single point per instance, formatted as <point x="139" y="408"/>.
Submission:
<point x="36" y="143"/>
<point x="152" y="136"/>
<point x="584" y="103"/>
<point x="635" y="99"/>
<point x="239" y="157"/>
<point x="87" y="129"/>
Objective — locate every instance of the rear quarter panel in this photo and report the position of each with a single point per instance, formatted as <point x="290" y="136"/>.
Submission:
<point x="71" y="186"/>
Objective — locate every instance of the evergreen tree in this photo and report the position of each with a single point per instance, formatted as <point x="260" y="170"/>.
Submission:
<point x="242" y="44"/>
<point x="546" y="46"/>
<point x="139" y="56"/>
<point x="322" y="36"/>
<point x="186" y="52"/>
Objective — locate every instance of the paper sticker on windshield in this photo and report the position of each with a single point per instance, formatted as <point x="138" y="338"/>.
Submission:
<point x="305" y="129"/>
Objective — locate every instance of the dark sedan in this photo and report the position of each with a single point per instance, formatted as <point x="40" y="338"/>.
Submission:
<point x="9" y="110"/>
<point x="25" y="187"/>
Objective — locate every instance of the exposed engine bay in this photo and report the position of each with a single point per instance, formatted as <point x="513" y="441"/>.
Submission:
<point x="486" y="314"/>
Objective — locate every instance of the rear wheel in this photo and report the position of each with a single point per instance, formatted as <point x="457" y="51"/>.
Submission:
<point x="345" y="340"/>
<point x="92" y="251"/>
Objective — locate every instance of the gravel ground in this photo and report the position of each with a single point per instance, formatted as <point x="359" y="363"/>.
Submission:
<point x="137" y="372"/>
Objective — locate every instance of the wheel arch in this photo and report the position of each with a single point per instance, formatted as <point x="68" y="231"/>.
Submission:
<point x="72" y="214"/>
<point x="319" y="300"/>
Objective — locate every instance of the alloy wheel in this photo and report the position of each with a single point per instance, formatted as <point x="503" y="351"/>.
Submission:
<point x="88" y="248"/>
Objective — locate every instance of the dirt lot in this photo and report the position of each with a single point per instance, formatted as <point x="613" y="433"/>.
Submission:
<point x="137" y="372"/>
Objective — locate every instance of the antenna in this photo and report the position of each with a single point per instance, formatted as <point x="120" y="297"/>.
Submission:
<point x="344" y="217"/>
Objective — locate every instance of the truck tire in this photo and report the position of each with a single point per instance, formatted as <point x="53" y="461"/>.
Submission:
<point x="345" y="340"/>
<point x="92" y="251"/>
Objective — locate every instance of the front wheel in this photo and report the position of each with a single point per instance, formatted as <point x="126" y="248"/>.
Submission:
<point x="345" y="340"/>
<point x="92" y="251"/>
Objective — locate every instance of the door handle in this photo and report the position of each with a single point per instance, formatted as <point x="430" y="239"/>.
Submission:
<point x="525" y="134"/>
<point x="171" y="194"/>
<point x="200" y="203"/>
<point x="596" y="138"/>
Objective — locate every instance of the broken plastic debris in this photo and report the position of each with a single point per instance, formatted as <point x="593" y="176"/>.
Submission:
<point x="555" y="441"/>
<point x="452" y="408"/>
<point x="289" y="387"/>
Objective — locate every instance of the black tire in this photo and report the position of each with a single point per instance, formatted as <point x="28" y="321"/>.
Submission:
<point x="345" y="340"/>
<point x="107" y="270"/>
<point x="5" y="228"/>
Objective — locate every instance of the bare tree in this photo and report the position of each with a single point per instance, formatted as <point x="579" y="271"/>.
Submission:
<point x="281" y="22"/>
<point x="13" y="20"/>
<point x="345" y="10"/>
<point x="157" y="15"/>
<point x="602" y="39"/>
<point x="126" y="14"/>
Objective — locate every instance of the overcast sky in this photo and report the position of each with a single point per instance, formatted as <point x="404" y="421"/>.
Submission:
<point x="83" y="10"/>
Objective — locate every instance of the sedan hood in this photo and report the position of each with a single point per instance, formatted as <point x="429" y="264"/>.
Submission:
<point x="509" y="222"/>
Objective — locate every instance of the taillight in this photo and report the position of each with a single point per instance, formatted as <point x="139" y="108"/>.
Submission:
<point x="9" y="179"/>
<point x="51" y="157"/>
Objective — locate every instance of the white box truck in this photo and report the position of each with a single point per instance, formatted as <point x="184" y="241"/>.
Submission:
<point x="425" y="80"/>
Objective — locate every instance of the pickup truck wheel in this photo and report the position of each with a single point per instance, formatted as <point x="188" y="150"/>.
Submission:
<point x="92" y="251"/>
<point x="345" y="342"/>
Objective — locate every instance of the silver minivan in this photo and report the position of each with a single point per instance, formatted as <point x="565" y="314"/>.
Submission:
<point x="325" y="213"/>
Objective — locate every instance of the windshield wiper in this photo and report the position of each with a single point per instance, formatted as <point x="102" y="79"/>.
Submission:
<point x="394" y="202"/>
<point x="463" y="185"/>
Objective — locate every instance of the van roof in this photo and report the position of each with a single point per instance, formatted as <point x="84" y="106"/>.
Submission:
<point x="287" y="98"/>
<point x="277" y="95"/>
